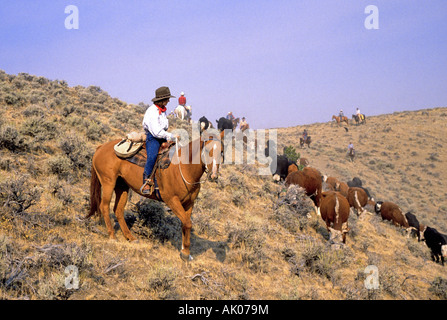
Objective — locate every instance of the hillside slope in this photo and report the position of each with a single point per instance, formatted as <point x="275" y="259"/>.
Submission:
<point x="247" y="242"/>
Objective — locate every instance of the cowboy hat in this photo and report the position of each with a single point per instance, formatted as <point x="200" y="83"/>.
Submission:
<point x="162" y="93"/>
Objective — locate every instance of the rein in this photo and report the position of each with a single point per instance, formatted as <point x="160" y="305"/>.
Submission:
<point x="180" y="167"/>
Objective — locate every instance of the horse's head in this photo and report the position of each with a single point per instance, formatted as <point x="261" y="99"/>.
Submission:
<point x="212" y="154"/>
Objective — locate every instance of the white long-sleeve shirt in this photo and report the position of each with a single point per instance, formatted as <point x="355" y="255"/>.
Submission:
<point x="156" y="123"/>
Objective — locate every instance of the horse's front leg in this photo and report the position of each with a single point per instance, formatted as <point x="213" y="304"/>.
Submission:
<point x="185" y="218"/>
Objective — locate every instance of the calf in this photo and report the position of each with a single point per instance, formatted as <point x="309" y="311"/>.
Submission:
<point x="357" y="199"/>
<point x="309" y="179"/>
<point x="335" y="212"/>
<point x="414" y="224"/>
<point x="437" y="243"/>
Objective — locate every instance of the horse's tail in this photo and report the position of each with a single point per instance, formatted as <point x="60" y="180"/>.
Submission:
<point x="95" y="194"/>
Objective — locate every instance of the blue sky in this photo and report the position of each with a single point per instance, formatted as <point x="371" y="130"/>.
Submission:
<point x="278" y="63"/>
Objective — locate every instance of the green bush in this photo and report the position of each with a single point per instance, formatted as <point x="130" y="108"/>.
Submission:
<point x="291" y="154"/>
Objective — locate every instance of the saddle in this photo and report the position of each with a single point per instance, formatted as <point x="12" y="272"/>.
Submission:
<point x="133" y="149"/>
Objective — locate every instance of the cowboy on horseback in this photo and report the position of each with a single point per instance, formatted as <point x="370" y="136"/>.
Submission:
<point x="155" y="124"/>
<point x="351" y="151"/>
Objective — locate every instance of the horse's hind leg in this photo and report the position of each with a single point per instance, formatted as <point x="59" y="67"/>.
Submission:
<point x="107" y="192"/>
<point x="122" y="192"/>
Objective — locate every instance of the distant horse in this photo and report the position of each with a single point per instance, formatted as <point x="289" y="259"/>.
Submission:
<point x="179" y="184"/>
<point x="181" y="112"/>
<point x="302" y="142"/>
<point x="351" y="154"/>
<point x="359" y="120"/>
<point x="339" y="121"/>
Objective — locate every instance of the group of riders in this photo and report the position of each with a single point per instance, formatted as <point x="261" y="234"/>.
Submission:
<point x="155" y="124"/>
<point x="358" y="115"/>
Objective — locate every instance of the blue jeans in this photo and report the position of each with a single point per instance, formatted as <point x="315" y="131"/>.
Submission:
<point x="152" y="147"/>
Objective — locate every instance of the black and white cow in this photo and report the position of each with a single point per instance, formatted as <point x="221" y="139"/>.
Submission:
<point x="437" y="242"/>
<point x="204" y="124"/>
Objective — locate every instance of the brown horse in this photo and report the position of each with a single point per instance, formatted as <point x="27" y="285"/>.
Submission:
<point x="339" y="121"/>
<point x="179" y="184"/>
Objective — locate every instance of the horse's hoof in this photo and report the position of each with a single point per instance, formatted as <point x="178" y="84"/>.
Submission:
<point x="185" y="257"/>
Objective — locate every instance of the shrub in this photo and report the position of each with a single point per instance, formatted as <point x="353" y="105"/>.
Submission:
<point x="18" y="194"/>
<point x="439" y="287"/>
<point x="291" y="154"/>
<point x="77" y="151"/>
<point x="11" y="139"/>
<point x="60" y="166"/>
<point x="152" y="222"/>
<point x="39" y="128"/>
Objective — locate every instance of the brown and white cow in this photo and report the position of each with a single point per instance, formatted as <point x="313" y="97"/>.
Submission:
<point x="342" y="187"/>
<point x="304" y="162"/>
<point x="334" y="210"/>
<point x="329" y="183"/>
<point x="392" y="212"/>
<point x="309" y="179"/>
<point x="357" y="199"/>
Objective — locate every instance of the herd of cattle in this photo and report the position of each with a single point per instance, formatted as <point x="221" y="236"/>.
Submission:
<point x="334" y="199"/>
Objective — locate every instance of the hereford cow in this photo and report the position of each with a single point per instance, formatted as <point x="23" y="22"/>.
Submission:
<point x="329" y="183"/>
<point x="304" y="162"/>
<point x="292" y="167"/>
<point x="224" y="123"/>
<point x="334" y="211"/>
<point x="357" y="199"/>
<point x="309" y="179"/>
<point x="342" y="187"/>
<point x="391" y="211"/>
<point x="437" y="242"/>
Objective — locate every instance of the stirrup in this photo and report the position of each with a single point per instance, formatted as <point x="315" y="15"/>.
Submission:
<point x="147" y="191"/>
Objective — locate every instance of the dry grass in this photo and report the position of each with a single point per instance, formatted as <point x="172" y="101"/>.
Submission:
<point x="249" y="241"/>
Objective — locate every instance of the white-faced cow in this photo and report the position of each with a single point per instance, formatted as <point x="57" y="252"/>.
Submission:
<point x="392" y="212"/>
<point x="334" y="210"/>
<point x="329" y="183"/>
